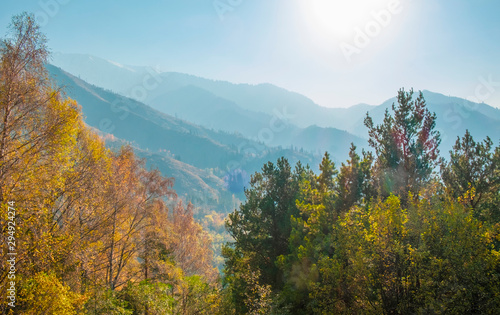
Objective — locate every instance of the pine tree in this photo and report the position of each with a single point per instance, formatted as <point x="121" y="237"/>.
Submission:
<point x="406" y="146"/>
<point x="473" y="175"/>
<point x="261" y="228"/>
<point x="354" y="180"/>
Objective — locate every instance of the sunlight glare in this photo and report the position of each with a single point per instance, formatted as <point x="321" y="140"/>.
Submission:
<point x="339" y="18"/>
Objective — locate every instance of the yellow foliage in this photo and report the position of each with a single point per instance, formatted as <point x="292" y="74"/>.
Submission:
<point x="45" y="294"/>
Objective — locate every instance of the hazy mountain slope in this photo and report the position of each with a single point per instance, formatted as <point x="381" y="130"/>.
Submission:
<point x="100" y="72"/>
<point x="146" y="85"/>
<point x="437" y="99"/>
<point x="269" y="114"/>
<point x="454" y="115"/>
<point x="149" y="129"/>
<point x="188" y="179"/>
<point x="201" y="107"/>
<point x="319" y="140"/>
<point x="157" y="132"/>
<point x="164" y="140"/>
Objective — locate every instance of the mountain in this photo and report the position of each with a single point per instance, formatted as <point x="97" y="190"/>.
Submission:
<point x="252" y="108"/>
<point x="151" y="130"/>
<point x="319" y="140"/>
<point x="199" y="106"/>
<point x="201" y="160"/>
<point x="202" y="107"/>
<point x="263" y="113"/>
<point x="100" y="72"/>
<point x="150" y="86"/>
<point x="188" y="179"/>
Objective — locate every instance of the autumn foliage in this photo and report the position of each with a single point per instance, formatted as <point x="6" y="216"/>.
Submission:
<point x="93" y="227"/>
<point x="97" y="233"/>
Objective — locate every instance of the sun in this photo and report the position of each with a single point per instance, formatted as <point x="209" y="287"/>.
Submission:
<point x="339" y="18"/>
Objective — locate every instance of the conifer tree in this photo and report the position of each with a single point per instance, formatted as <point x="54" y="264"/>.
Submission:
<point x="406" y="146"/>
<point x="473" y="175"/>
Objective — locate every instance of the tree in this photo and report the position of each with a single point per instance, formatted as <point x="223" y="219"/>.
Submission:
<point x="406" y="146"/>
<point x="456" y="264"/>
<point x="261" y="228"/>
<point x="326" y="178"/>
<point x="433" y="257"/>
<point x="311" y="238"/>
<point x="90" y="223"/>
<point x="45" y="294"/>
<point x="38" y="132"/>
<point x="354" y="180"/>
<point x="473" y="174"/>
<point x="25" y="95"/>
<point x="190" y="244"/>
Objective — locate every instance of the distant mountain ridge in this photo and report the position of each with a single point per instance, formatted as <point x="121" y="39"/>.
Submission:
<point x="263" y="113"/>
<point x="265" y="98"/>
<point x="198" y="157"/>
<point x="251" y="108"/>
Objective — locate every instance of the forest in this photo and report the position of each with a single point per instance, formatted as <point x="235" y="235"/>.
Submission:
<point x="89" y="230"/>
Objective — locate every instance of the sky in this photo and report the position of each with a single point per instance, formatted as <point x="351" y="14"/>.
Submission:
<point x="337" y="52"/>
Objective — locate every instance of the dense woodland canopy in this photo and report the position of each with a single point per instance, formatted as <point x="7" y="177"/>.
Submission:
<point x="93" y="232"/>
<point x="395" y="230"/>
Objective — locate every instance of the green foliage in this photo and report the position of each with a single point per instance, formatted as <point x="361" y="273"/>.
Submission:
<point x="379" y="236"/>
<point x="107" y="302"/>
<point x="261" y="227"/>
<point x="473" y="174"/>
<point x="432" y="258"/>
<point x="354" y="181"/>
<point x="155" y="298"/>
<point x="458" y="267"/>
<point x="378" y="252"/>
<point x="258" y="298"/>
<point x="406" y="146"/>
<point x="326" y="178"/>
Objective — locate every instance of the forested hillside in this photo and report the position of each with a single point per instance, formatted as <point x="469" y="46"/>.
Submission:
<point x="396" y="231"/>
<point x="85" y="229"/>
<point x="89" y="228"/>
<point x="167" y="137"/>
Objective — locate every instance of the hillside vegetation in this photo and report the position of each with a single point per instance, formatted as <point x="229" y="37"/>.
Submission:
<point x="383" y="233"/>
<point x="85" y="229"/>
<point x="89" y="228"/>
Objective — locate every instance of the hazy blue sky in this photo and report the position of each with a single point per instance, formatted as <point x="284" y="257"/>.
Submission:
<point x="446" y="46"/>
